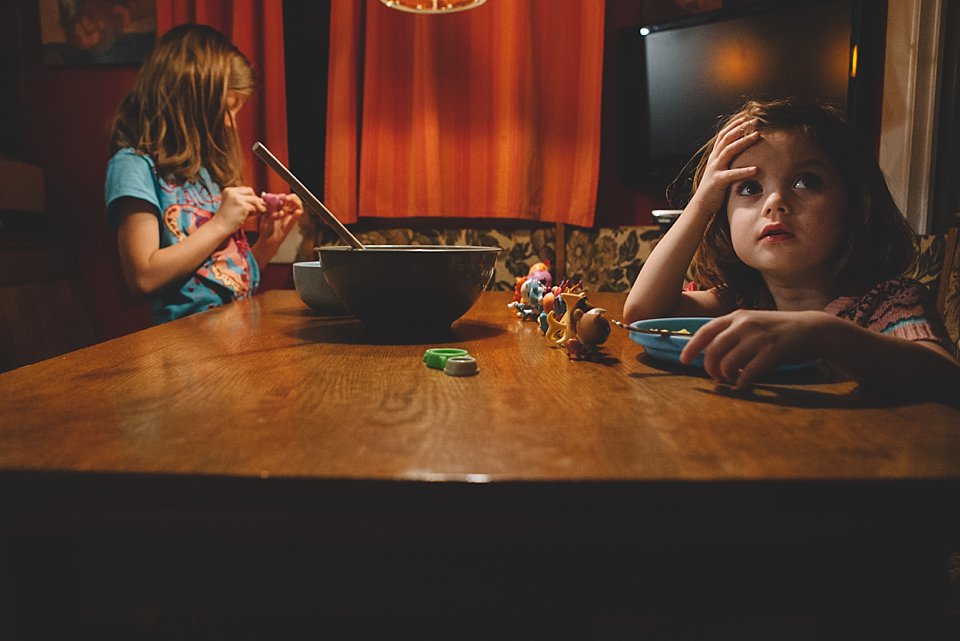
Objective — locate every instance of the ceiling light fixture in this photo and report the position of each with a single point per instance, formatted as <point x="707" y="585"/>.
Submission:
<point x="432" y="6"/>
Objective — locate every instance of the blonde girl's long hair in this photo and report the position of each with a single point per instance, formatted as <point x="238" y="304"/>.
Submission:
<point x="878" y="242"/>
<point x="177" y="111"/>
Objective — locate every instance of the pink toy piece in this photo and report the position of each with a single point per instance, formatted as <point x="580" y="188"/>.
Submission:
<point x="543" y="276"/>
<point x="274" y="202"/>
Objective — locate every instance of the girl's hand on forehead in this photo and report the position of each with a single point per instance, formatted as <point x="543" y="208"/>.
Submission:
<point x="732" y="140"/>
<point x="742" y="346"/>
<point x="236" y="205"/>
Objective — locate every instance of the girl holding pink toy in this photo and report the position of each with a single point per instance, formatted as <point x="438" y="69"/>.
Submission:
<point x="174" y="187"/>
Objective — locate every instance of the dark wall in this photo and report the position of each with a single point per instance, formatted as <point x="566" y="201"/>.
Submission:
<point x="11" y="118"/>
<point x="66" y="114"/>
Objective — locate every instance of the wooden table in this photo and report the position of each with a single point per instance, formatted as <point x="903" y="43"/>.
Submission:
<point x="256" y="457"/>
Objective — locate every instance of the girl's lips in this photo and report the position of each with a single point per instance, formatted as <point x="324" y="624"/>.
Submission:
<point x="775" y="232"/>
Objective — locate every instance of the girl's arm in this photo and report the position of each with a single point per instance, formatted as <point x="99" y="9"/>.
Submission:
<point x="884" y="362"/>
<point x="740" y="347"/>
<point x="147" y="268"/>
<point x="658" y="290"/>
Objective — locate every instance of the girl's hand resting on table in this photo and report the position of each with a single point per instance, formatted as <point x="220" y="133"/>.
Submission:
<point x="742" y="346"/>
<point x="236" y="205"/>
<point x="717" y="175"/>
<point x="274" y="227"/>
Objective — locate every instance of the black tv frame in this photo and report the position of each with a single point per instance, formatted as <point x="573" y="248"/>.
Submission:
<point x="864" y="92"/>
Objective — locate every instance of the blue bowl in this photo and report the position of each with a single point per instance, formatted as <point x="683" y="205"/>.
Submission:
<point x="667" y="347"/>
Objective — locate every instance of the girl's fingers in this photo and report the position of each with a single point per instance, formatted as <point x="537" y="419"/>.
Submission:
<point x="737" y="147"/>
<point x="724" y="355"/>
<point x="737" y="352"/>
<point x="737" y="139"/>
<point x="703" y="337"/>
<point x="728" y="176"/>
<point x="732" y="125"/>
<point x="745" y="128"/>
<point x="247" y="199"/>
<point x="754" y="369"/>
<point x="728" y="155"/>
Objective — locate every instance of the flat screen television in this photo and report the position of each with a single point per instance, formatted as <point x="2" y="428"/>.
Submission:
<point x="683" y="76"/>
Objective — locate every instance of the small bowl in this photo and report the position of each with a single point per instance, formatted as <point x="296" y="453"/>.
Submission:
<point x="314" y="290"/>
<point x="409" y="288"/>
<point x="667" y="347"/>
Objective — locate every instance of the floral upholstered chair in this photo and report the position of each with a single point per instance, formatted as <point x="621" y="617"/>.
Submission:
<point x="948" y="294"/>
<point x="929" y="260"/>
<point x="938" y="267"/>
<point x="608" y="259"/>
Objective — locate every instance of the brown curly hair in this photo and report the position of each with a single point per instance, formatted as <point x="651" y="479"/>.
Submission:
<point x="878" y="241"/>
<point x="176" y="112"/>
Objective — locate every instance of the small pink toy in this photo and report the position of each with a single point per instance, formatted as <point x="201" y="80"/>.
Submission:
<point x="274" y="202"/>
<point x="541" y="272"/>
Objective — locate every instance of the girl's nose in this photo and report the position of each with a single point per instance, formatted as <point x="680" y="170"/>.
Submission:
<point x="775" y="204"/>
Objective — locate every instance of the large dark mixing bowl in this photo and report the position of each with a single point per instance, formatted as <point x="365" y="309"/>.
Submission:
<point x="408" y="288"/>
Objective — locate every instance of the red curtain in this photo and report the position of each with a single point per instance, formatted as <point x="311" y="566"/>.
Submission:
<point x="256" y="28"/>
<point x="492" y="112"/>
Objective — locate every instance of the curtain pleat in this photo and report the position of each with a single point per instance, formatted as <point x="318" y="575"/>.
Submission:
<point x="490" y="113"/>
<point x="256" y="28"/>
<point x="344" y="96"/>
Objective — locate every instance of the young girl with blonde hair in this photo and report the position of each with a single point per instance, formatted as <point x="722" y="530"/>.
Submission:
<point x="799" y="250"/>
<point x="174" y="187"/>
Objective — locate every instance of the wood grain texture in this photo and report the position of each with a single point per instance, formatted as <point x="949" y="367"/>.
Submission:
<point x="261" y="388"/>
<point x="256" y="459"/>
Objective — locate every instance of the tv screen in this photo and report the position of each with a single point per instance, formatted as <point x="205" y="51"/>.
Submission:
<point x="693" y="71"/>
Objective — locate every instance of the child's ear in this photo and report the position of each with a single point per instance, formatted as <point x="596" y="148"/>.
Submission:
<point x="235" y="100"/>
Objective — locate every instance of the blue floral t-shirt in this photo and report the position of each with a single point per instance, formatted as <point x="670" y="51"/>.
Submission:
<point x="230" y="273"/>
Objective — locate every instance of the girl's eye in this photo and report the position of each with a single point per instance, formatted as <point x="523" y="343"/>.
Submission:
<point x="808" y="181"/>
<point x="748" y="188"/>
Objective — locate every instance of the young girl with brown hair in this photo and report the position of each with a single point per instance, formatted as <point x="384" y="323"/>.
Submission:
<point x="800" y="249"/>
<point x="174" y="187"/>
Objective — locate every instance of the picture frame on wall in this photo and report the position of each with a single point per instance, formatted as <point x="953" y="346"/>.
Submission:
<point x="96" y="32"/>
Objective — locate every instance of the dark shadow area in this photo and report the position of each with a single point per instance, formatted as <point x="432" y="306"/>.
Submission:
<point x="669" y="367"/>
<point x="857" y="398"/>
<point x="804" y="398"/>
<point x="441" y="588"/>
<point x="600" y="357"/>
